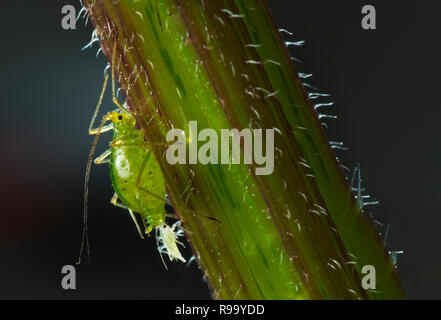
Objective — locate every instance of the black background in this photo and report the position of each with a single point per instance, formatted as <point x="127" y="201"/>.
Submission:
<point x="385" y="84"/>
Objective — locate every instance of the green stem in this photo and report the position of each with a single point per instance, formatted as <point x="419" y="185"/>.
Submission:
<point x="297" y="233"/>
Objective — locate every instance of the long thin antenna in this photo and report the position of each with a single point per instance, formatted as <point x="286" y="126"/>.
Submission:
<point x="85" y="237"/>
<point x="97" y="132"/>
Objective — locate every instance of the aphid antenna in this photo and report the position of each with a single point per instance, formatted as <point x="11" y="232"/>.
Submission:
<point x="85" y="236"/>
<point x="97" y="132"/>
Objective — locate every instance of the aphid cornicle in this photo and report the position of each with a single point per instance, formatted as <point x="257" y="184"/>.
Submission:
<point x="136" y="176"/>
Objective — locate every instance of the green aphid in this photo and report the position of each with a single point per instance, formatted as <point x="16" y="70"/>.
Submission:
<point x="134" y="171"/>
<point x="136" y="177"/>
<point x="138" y="182"/>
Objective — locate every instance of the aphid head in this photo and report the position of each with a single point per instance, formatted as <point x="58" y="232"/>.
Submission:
<point x="122" y="121"/>
<point x="163" y="227"/>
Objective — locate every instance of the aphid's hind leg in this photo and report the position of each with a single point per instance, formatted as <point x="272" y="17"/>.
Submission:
<point x="146" y="227"/>
<point x="136" y="223"/>
<point x="115" y="202"/>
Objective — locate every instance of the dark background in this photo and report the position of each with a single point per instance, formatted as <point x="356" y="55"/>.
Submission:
<point x="385" y="84"/>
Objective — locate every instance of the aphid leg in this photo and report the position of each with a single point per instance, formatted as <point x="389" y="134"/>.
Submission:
<point x="136" y="223"/>
<point x="179" y="242"/>
<point x="104" y="158"/>
<point x="160" y="246"/>
<point x="115" y="202"/>
<point x="179" y="232"/>
<point x="148" y="228"/>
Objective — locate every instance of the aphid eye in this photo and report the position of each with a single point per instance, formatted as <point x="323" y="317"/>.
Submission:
<point x="120" y="117"/>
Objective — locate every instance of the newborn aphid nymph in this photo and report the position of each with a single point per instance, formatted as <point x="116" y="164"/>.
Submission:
<point x="166" y="239"/>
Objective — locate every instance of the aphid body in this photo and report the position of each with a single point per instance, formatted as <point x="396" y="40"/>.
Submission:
<point x="166" y="238"/>
<point x="134" y="171"/>
<point x="136" y="176"/>
<point x="138" y="182"/>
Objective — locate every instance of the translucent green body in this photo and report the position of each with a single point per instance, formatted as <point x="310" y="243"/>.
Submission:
<point x="135" y="173"/>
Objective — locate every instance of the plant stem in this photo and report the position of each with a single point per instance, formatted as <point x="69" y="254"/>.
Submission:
<point x="297" y="233"/>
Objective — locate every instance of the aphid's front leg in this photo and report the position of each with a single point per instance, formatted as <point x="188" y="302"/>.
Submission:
<point x="115" y="202"/>
<point x="104" y="158"/>
<point x="175" y="225"/>
<point x="178" y="232"/>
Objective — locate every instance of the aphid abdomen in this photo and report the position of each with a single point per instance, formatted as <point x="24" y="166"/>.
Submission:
<point x="126" y="164"/>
